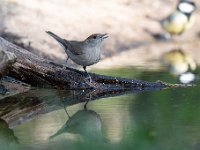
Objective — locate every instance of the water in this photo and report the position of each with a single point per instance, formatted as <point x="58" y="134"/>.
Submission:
<point x="168" y="119"/>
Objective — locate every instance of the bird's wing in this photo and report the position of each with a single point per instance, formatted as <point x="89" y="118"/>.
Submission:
<point x="72" y="46"/>
<point x="76" y="47"/>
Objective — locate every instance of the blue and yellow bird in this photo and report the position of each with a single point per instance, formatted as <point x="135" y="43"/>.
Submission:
<point x="181" y="19"/>
<point x="181" y="64"/>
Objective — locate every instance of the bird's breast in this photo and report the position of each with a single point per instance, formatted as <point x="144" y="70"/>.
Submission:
<point x="89" y="57"/>
<point x="92" y="56"/>
<point x="176" y="23"/>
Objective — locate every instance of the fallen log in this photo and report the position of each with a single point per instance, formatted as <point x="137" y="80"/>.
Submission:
<point x="37" y="71"/>
<point x="23" y="102"/>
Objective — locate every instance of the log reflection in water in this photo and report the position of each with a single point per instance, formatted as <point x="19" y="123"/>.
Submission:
<point x="22" y="107"/>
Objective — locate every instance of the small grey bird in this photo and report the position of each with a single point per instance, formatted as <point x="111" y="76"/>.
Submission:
<point x="84" y="53"/>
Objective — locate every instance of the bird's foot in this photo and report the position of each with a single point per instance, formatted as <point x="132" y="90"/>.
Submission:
<point x="90" y="82"/>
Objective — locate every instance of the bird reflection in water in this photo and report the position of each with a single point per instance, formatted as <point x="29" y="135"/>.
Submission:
<point x="180" y="64"/>
<point x="86" y="123"/>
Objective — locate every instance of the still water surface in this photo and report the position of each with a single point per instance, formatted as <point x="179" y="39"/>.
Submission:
<point x="153" y="120"/>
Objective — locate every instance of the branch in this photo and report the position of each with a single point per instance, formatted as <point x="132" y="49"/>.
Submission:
<point x="37" y="71"/>
<point x="22" y="104"/>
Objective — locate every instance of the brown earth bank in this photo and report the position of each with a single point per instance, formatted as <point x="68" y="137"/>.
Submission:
<point x="127" y="22"/>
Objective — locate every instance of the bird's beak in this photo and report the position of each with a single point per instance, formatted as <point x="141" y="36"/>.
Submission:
<point x="104" y="36"/>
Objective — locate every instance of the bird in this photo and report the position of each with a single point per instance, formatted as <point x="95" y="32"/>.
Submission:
<point x="181" y="64"/>
<point x="86" y="123"/>
<point x="181" y="19"/>
<point x="84" y="53"/>
<point x="178" y="61"/>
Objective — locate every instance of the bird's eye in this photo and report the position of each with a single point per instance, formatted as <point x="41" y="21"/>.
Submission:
<point x="94" y="37"/>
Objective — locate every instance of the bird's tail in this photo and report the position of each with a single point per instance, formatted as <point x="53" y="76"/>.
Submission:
<point x="57" y="38"/>
<point x="60" y="131"/>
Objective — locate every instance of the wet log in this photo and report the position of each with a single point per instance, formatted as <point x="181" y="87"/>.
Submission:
<point x="22" y="102"/>
<point x="6" y="61"/>
<point x="37" y="71"/>
<point x="10" y="87"/>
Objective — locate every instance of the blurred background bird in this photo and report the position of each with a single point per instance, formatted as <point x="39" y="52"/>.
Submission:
<point x="180" y="64"/>
<point x="180" y="19"/>
<point x="177" y="22"/>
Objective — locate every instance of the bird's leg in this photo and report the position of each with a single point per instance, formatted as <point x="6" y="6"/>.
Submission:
<point x="61" y="100"/>
<point x="67" y="59"/>
<point x="65" y="65"/>
<point x="88" y="99"/>
<point x="90" y="79"/>
<point x="85" y="105"/>
<point x="66" y="62"/>
<point x="66" y="112"/>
